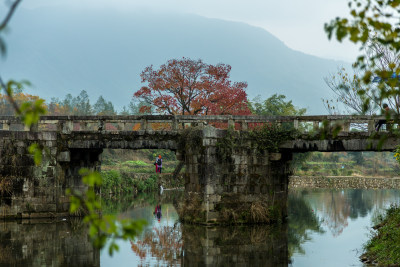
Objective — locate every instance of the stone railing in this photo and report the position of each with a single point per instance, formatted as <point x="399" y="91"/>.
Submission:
<point x="68" y="124"/>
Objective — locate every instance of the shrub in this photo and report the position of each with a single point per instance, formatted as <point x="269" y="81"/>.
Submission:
<point x="111" y="180"/>
<point x="384" y="245"/>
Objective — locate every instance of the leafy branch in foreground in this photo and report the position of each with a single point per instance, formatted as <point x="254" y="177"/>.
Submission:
<point x="375" y="26"/>
<point x="102" y="228"/>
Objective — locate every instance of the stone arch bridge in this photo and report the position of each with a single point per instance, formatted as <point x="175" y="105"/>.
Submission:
<point x="245" y="186"/>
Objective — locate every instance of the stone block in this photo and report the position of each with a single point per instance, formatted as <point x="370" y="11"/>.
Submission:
<point x="209" y="132"/>
<point x="21" y="144"/>
<point x="206" y="242"/>
<point x="275" y="156"/>
<point x="211" y="151"/>
<point x="48" y="136"/>
<point x="211" y="251"/>
<point x="53" y="151"/>
<point x="214" y="198"/>
<point x="209" y="189"/>
<point x="179" y="156"/>
<point x="21" y="150"/>
<point x="212" y="215"/>
<point x="206" y="142"/>
<point x="194" y="178"/>
<point x="209" y="260"/>
<point x="236" y="159"/>
<point x="64" y="156"/>
<point x="50" y="171"/>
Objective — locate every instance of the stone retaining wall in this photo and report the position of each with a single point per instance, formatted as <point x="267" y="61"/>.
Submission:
<point x="344" y="182"/>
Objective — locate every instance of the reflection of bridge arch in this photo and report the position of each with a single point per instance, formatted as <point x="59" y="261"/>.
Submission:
<point x="215" y="186"/>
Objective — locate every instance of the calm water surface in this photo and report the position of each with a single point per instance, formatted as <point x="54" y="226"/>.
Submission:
<point x="325" y="228"/>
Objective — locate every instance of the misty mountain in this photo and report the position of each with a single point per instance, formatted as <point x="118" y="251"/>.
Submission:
<point x="65" y="51"/>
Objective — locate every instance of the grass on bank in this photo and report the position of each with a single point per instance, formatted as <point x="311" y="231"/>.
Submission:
<point x="117" y="182"/>
<point x="137" y="166"/>
<point x="384" y="246"/>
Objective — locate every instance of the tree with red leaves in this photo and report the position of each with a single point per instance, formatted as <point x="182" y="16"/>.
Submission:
<point x="192" y="87"/>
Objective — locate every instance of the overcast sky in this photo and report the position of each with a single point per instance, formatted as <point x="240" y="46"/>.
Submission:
<point x="298" y="23"/>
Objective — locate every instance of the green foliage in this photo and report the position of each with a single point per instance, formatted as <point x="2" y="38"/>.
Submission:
<point x="151" y="184"/>
<point x="384" y="246"/>
<point x="80" y="105"/>
<point x="270" y="136"/>
<point x="148" y="185"/>
<point x="275" y="106"/>
<point x="347" y="163"/>
<point x="103" y="107"/>
<point x="102" y="229"/>
<point x="36" y="150"/>
<point x="373" y="24"/>
<point x="116" y="182"/>
<point x="300" y="159"/>
<point x="227" y="144"/>
<point x="190" y="138"/>
<point x="29" y="111"/>
<point x="111" y="180"/>
<point x="350" y="91"/>
<point x="302" y="222"/>
<point x="265" y="138"/>
<point x="152" y="154"/>
<point x="135" y="163"/>
<point x="397" y="154"/>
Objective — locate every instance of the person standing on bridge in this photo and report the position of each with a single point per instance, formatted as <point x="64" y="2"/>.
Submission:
<point x="158" y="164"/>
<point x="385" y="112"/>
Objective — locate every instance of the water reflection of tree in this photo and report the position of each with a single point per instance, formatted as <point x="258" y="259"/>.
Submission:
<point x="336" y="213"/>
<point x="164" y="243"/>
<point x="361" y="203"/>
<point x="302" y="221"/>
<point x="244" y="245"/>
<point x="118" y="204"/>
<point x="337" y="206"/>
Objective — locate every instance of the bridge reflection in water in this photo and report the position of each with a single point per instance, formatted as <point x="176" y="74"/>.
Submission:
<point x="315" y="216"/>
<point x="235" y="246"/>
<point x="42" y="242"/>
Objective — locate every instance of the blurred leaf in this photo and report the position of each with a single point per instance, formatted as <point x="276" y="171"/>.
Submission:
<point x="35" y="150"/>
<point x="101" y="228"/>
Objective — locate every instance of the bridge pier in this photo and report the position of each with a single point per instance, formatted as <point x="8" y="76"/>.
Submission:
<point x="76" y="160"/>
<point x="242" y="186"/>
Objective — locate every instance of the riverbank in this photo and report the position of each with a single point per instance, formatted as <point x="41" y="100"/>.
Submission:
<point x="119" y="182"/>
<point x="341" y="182"/>
<point x="383" y="249"/>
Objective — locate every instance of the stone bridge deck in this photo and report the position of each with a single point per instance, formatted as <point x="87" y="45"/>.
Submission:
<point x="357" y="132"/>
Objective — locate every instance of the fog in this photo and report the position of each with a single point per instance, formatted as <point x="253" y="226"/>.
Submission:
<point x="299" y="24"/>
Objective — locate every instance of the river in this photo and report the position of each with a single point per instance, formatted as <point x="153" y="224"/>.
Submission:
<point x="325" y="227"/>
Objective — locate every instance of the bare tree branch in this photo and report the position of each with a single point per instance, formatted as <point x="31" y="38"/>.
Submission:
<point x="9" y="14"/>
